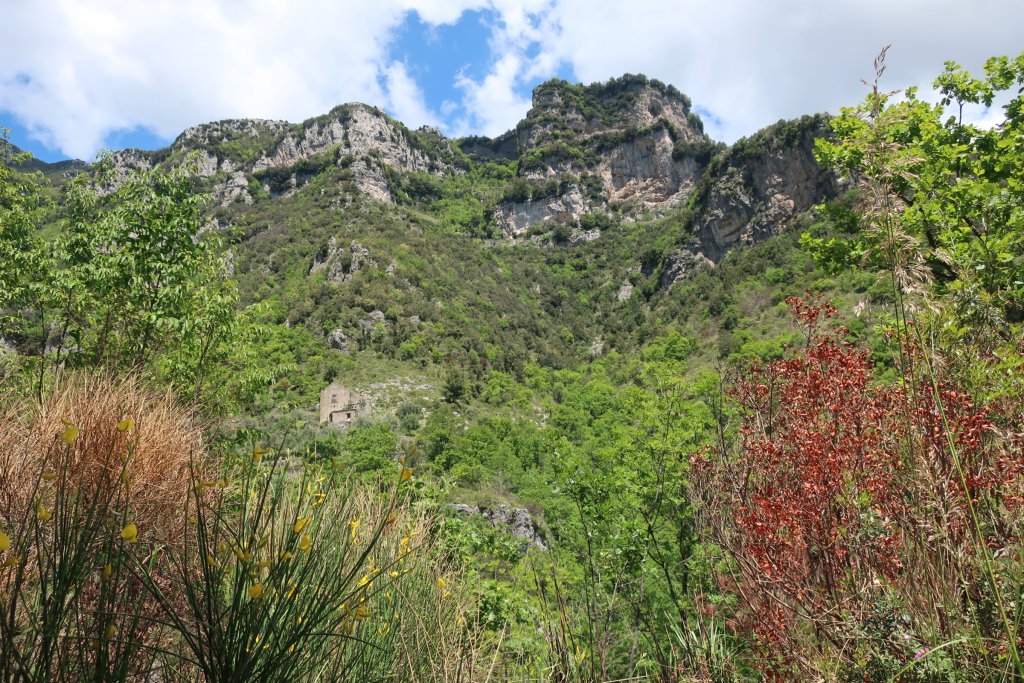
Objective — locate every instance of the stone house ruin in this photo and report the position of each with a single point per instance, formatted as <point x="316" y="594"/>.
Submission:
<point x="341" y="406"/>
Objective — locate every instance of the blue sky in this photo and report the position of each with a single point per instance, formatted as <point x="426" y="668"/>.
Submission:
<point x="78" y="75"/>
<point x="435" y="56"/>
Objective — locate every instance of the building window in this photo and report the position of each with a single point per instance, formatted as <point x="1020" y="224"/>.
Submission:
<point x="334" y="398"/>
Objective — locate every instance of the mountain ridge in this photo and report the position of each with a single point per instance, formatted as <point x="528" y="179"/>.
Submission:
<point x="627" y="149"/>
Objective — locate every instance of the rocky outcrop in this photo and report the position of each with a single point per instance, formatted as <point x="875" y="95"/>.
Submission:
<point x="681" y="264"/>
<point x="634" y="139"/>
<point x="515" y="218"/>
<point x="339" y="266"/>
<point x="515" y="521"/>
<point x="753" y="190"/>
<point x="646" y="169"/>
<point x="338" y="340"/>
<point x="283" y="157"/>
<point x="358" y="131"/>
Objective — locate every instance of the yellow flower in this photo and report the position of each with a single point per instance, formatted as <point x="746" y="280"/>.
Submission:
<point x="49" y="475"/>
<point x="365" y="582"/>
<point x="12" y="561"/>
<point x="362" y="613"/>
<point x="285" y="556"/>
<point x="391" y="518"/>
<point x="305" y="543"/>
<point x="111" y="631"/>
<point x="107" y="572"/>
<point x="394" y="573"/>
<point x="5" y="542"/>
<point x="353" y="527"/>
<point x="406" y="474"/>
<point x="255" y="590"/>
<point x="211" y="560"/>
<point x="440" y="583"/>
<point x="130" y="533"/>
<point x="125" y="424"/>
<point x="69" y="435"/>
<point x="264" y="564"/>
<point x="42" y="513"/>
<point x="258" y="453"/>
<point x="301" y="524"/>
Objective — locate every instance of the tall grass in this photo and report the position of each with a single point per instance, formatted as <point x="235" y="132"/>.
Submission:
<point x="129" y="553"/>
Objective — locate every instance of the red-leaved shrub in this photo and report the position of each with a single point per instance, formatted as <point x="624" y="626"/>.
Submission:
<point x="847" y="496"/>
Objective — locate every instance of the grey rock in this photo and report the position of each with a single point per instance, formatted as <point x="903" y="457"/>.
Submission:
<point x="515" y="218"/>
<point x="753" y="196"/>
<point x="515" y="521"/>
<point x="682" y="263"/>
<point x="331" y="261"/>
<point x="337" y="339"/>
<point x="373" y="321"/>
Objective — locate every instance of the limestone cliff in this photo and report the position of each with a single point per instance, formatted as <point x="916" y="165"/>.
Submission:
<point x="752" y="190"/>
<point x="242" y="156"/>
<point x="625" y="147"/>
<point x="634" y="140"/>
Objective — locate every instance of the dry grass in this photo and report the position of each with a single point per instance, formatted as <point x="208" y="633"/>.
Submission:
<point x="152" y="448"/>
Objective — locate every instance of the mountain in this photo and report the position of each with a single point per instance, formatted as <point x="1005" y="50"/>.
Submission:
<point x="631" y="145"/>
<point x="557" y="241"/>
<point x="56" y="172"/>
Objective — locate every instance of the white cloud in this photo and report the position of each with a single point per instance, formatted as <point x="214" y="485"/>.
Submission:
<point x="405" y="99"/>
<point x="75" y="70"/>
<point x="751" y="62"/>
<point x="100" y="65"/>
<point x="493" y="105"/>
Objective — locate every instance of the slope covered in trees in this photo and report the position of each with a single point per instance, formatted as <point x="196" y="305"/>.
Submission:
<point x="763" y="415"/>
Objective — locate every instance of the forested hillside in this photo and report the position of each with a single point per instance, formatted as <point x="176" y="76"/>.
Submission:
<point x="636" y="404"/>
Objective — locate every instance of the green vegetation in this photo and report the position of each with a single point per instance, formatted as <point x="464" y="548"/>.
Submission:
<point x="802" y="463"/>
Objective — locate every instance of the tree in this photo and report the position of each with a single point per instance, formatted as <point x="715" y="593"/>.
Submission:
<point x="943" y="198"/>
<point x="23" y="270"/>
<point x="130" y="282"/>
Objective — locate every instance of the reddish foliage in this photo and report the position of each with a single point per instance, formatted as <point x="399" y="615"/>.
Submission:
<point x="837" y="472"/>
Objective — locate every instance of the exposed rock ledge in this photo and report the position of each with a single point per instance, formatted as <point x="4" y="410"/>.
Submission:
<point x="515" y="521"/>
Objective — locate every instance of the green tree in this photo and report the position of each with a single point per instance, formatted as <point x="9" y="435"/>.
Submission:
<point x="24" y="270"/>
<point x="369" y="449"/>
<point x="954" y="189"/>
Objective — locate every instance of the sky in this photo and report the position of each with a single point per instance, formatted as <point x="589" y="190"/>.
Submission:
<point x="77" y="76"/>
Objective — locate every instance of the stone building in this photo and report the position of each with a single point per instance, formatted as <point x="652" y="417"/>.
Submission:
<point x="341" y="406"/>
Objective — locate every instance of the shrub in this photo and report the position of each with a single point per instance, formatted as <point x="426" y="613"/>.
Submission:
<point x="851" y="501"/>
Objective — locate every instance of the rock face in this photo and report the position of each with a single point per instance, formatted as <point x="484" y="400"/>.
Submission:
<point x="751" y="192"/>
<point x="515" y="218"/>
<point x="634" y="139"/>
<point x="281" y="157"/>
<point x="338" y="265"/>
<point x="515" y="521"/>
<point x="628" y="146"/>
<point x="761" y="184"/>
